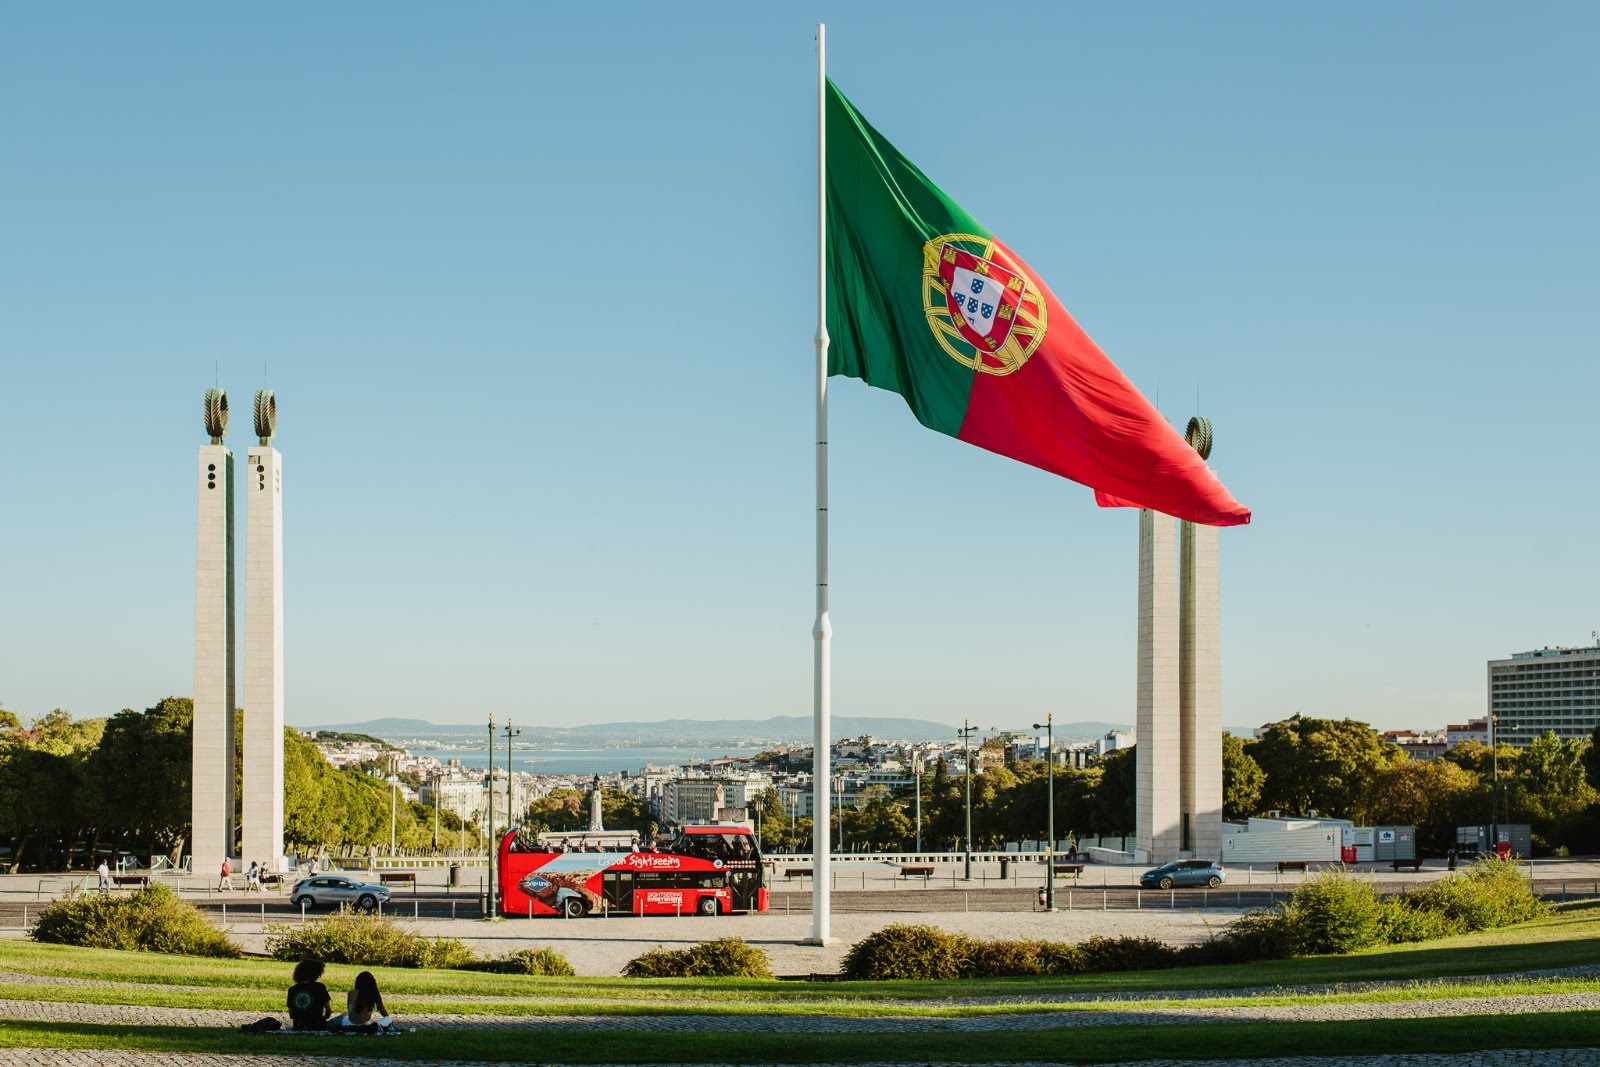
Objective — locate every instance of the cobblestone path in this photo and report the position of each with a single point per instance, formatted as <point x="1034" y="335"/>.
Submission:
<point x="26" y="1057"/>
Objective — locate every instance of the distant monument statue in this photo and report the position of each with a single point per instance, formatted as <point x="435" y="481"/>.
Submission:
<point x="594" y="807"/>
<point x="1178" y="704"/>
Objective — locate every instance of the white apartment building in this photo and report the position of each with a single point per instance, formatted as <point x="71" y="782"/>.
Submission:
<point x="1554" y="689"/>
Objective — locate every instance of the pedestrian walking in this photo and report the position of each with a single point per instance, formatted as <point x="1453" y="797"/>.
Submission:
<point x="252" y="878"/>
<point x="105" y="875"/>
<point x="223" y="881"/>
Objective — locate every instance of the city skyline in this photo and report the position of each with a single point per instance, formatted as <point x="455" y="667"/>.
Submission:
<point x="1363" y="256"/>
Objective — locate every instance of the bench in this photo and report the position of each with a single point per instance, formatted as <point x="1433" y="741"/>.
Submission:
<point x="1291" y="865"/>
<point x="271" y="879"/>
<point x="1073" y="869"/>
<point x="1414" y="864"/>
<point x="797" y="872"/>
<point x="129" y="879"/>
<point x="385" y="877"/>
<point x="916" y="870"/>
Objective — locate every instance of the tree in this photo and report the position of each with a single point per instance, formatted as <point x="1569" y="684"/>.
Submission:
<point x="1242" y="780"/>
<point x="1320" y="765"/>
<point x="1427" y="794"/>
<point x="1591" y="759"/>
<point x="139" y="776"/>
<point x="1113" y="809"/>
<point x="561" y="811"/>
<point x="1477" y="757"/>
<point x="881" y="824"/>
<point x="1551" y="782"/>
<point x="42" y="794"/>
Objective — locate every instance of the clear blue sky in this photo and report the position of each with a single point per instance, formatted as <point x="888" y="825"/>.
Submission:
<point x="536" y="285"/>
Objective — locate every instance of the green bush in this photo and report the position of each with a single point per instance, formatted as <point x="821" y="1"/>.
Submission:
<point x="1057" y="958"/>
<point x="1102" y="954"/>
<point x="365" y="940"/>
<point x="1332" y="913"/>
<point x="1257" y="935"/>
<point x="727" y="957"/>
<point x="543" y="962"/>
<point x="1403" y="923"/>
<point x="1489" y="894"/>
<point x="903" y="950"/>
<point x="1005" y="959"/>
<point x="151" y="919"/>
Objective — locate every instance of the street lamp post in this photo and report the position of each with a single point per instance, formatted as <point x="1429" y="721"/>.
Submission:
<point x="510" y="733"/>
<point x="1494" y="792"/>
<point x="394" y="784"/>
<point x="838" y="793"/>
<point x="1050" y="819"/>
<point x="757" y="805"/>
<point x="966" y="732"/>
<point x="493" y="902"/>
<point x="916" y="773"/>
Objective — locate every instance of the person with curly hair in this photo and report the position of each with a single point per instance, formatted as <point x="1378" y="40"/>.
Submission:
<point x="309" y="1003"/>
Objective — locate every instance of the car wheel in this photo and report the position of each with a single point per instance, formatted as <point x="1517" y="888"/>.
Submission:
<point x="1214" y="881"/>
<point x="573" y="908"/>
<point x="304" y="902"/>
<point x="1165" y="883"/>
<point x="708" y="906"/>
<point x="367" y="903"/>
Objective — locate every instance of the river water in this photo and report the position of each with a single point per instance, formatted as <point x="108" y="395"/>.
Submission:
<point x="578" y="760"/>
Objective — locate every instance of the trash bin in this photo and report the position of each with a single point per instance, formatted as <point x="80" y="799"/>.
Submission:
<point x="455" y="875"/>
<point x="1005" y="868"/>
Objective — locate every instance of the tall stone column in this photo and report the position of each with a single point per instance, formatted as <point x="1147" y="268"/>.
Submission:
<point x="1157" y="836"/>
<point x="263" y="643"/>
<point x="211" y="775"/>
<point x="1200" y="687"/>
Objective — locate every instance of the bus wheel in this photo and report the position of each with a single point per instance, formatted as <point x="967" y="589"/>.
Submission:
<point x="708" y="906"/>
<point x="572" y="908"/>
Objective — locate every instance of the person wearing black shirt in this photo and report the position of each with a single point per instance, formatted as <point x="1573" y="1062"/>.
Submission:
<point x="309" y="1003"/>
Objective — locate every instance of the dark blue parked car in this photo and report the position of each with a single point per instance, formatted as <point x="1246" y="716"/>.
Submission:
<point x="1182" y="873"/>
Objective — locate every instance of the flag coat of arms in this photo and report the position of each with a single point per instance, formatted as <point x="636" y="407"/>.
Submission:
<point x="925" y="302"/>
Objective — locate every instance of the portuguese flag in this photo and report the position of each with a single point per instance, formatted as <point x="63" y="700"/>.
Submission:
<point x="925" y="302"/>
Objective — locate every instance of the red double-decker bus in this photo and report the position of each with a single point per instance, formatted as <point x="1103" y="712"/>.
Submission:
<point x="708" y="870"/>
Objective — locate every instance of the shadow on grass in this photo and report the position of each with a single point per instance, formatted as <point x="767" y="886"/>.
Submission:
<point x="1189" y="1042"/>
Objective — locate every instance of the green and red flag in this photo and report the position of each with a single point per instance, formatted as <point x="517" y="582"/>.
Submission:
<point x="925" y="302"/>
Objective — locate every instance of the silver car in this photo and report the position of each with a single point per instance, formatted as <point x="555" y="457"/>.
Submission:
<point x="333" y="890"/>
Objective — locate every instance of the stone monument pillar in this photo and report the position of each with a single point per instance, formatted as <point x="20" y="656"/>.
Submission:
<point x="211" y="775"/>
<point x="595" y="821"/>
<point x="1156" y="720"/>
<point x="1200" y="691"/>
<point x="1179" y="701"/>
<point x="263" y="643"/>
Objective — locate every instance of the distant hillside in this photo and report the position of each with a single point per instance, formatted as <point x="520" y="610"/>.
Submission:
<point x="388" y="728"/>
<point x="780" y="729"/>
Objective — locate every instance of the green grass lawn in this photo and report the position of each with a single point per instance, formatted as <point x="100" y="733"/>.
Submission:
<point x="1099" y="1044"/>
<point x="1571" y="937"/>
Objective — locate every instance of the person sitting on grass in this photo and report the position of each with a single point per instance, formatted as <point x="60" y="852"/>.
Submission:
<point x="309" y="1003"/>
<point x="363" y="1005"/>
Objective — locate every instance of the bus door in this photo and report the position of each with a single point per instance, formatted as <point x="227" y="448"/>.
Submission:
<point x="616" y="887"/>
<point x="744" y="885"/>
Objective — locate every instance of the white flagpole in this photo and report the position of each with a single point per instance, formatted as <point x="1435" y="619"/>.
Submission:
<point x="822" y="629"/>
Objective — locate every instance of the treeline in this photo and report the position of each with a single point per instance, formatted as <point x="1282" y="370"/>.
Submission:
<point x="1338" y="768"/>
<point x="75" y="790"/>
